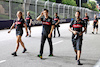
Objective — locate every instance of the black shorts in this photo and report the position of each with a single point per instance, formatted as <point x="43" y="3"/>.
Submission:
<point x="29" y="27"/>
<point x="95" y="26"/>
<point x="19" y="33"/>
<point x="77" y="43"/>
<point x="57" y="25"/>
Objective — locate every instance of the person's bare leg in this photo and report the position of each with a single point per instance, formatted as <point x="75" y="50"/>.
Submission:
<point x="22" y="45"/>
<point x="93" y="29"/>
<point x="75" y="51"/>
<point x="17" y="44"/>
<point x="30" y="32"/>
<point x="97" y="30"/>
<point x="21" y="42"/>
<point x="78" y="54"/>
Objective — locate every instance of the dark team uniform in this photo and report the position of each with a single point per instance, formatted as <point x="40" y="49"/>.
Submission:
<point x="19" y="26"/>
<point x="76" y="39"/>
<point x="86" y="22"/>
<point x="47" y="24"/>
<point x="95" y="22"/>
<point x="56" y="26"/>
<point x="28" y="21"/>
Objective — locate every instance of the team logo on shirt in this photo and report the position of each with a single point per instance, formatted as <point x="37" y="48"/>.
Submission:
<point x="46" y="23"/>
<point x="27" y="18"/>
<point x="95" y="20"/>
<point x="77" y="26"/>
<point x="17" y="22"/>
<point x="85" y="18"/>
<point x="56" y="19"/>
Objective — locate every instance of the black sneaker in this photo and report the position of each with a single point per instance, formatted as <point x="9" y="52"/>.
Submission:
<point x="78" y="63"/>
<point x="76" y="57"/>
<point x="29" y="35"/>
<point x="92" y="32"/>
<point x="59" y="35"/>
<point x="40" y="56"/>
<point x="24" y="50"/>
<point x="51" y="55"/>
<point x="96" y="32"/>
<point x="54" y="37"/>
<point x="26" y="36"/>
<point x="14" y="54"/>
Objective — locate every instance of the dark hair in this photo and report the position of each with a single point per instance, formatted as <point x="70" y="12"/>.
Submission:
<point x="56" y="13"/>
<point x="46" y="10"/>
<point x="78" y="12"/>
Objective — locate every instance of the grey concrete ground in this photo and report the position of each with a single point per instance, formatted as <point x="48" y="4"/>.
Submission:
<point x="64" y="55"/>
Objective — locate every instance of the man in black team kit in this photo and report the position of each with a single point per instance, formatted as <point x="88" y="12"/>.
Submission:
<point x="28" y="22"/>
<point x="48" y="27"/>
<point x="77" y="35"/>
<point x="86" y="20"/>
<point x="95" y="24"/>
<point x="56" y="20"/>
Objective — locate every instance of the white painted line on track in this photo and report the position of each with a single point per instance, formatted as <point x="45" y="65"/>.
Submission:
<point x="2" y="61"/>
<point x="57" y="42"/>
<point x="97" y="64"/>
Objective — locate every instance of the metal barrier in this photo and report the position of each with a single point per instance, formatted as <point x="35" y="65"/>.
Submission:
<point x="9" y="9"/>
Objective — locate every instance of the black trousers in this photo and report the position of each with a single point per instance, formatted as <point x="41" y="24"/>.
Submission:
<point x="43" y="39"/>
<point x="86" y="28"/>
<point x="55" y="31"/>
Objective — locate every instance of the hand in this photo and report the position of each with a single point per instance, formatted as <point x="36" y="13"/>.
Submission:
<point x="9" y="31"/>
<point x="74" y="32"/>
<point x="41" y="13"/>
<point x="49" y="35"/>
<point x="30" y="24"/>
<point x="56" y="24"/>
<point x="96" y="24"/>
<point x="80" y="34"/>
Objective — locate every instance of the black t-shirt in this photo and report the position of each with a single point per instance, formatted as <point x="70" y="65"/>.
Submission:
<point x="86" y="19"/>
<point x="28" y="19"/>
<point x="19" y="24"/>
<point x="47" y="23"/>
<point x="95" y="21"/>
<point x="77" y="25"/>
<point x="56" y="19"/>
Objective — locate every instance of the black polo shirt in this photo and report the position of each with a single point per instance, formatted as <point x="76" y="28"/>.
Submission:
<point x="19" y="24"/>
<point x="28" y="19"/>
<point x="47" y="23"/>
<point x="77" y="25"/>
<point x="56" y="19"/>
<point x="95" y="21"/>
<point x="86" y="19"/>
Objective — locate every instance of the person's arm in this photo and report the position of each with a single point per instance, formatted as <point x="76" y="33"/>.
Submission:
<point x="51" y="31"/>
<point x="57" y="22"/>
<point x="74" y="32"/>
<point x="39" y="17"/>
<point x="97" y="22"/>
<point x="11" y="27"/>
<point x="30" y="22"/>
<point x="26" y="28"/>
<point x="25" y="20"/>
<point x="88" y="19"/>
<point x="83" y="31"/>
<point x="70" y="28"/>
